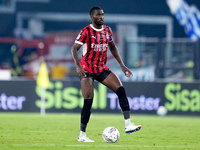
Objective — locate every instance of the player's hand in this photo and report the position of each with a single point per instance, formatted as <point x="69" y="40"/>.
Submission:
<point x="126" y="71"/>
<point x="81" y="72"/>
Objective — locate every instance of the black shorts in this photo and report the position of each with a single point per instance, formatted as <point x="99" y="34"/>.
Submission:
<point x="99" y="76"/>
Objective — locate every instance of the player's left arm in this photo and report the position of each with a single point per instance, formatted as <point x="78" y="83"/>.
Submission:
<point x="115" y="53"/>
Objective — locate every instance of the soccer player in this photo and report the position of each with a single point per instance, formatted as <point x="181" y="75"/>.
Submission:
<point x="95" y="39"/>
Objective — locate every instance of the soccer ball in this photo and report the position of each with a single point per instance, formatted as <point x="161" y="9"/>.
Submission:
<point x="110" y="134"/>
<point x="162" y="111"/>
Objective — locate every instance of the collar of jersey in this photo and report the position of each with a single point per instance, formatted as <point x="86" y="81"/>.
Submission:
<point x="96" y="28"/>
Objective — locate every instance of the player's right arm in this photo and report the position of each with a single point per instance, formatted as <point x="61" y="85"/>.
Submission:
<point x="74" y="51"/>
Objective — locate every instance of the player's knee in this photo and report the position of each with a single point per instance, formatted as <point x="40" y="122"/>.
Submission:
<point x="121" y="92"/>
<point x="88" y="95"/>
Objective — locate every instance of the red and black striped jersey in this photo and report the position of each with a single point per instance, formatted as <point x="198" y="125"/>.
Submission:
<point x="95" y="45"/>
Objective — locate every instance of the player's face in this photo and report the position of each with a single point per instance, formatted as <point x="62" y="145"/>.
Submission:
<point x="98" y="17"/>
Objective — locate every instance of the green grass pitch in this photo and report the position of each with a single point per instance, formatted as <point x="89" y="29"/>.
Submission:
<point x="31" y="131"/>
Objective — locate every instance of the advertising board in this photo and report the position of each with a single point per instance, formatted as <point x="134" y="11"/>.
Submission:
<point x="65" y="96"/>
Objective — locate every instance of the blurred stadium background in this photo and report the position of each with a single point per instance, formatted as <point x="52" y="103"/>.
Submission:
<point x="157" y="39"/>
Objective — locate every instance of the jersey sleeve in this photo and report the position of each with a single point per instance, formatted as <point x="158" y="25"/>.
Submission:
<point x="81" y="38"/>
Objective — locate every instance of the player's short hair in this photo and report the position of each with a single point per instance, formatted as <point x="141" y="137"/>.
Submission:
<point x="93" y="9"/>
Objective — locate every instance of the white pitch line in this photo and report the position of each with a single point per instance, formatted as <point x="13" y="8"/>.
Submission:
<point x="167" y="146"/>
<point x="107" y="145"/>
